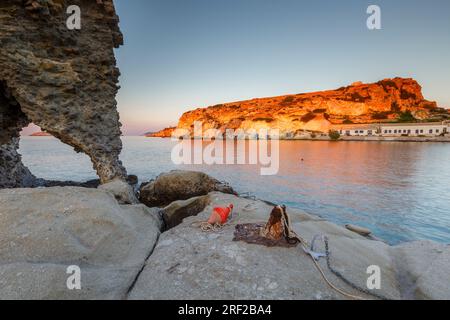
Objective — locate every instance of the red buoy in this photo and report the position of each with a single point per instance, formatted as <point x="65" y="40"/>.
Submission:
<point x="220" y="215"/>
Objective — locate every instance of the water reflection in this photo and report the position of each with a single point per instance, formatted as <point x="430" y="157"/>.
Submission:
<point x="399" y="190"/>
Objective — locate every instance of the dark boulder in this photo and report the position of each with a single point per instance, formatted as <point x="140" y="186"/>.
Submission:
<point x="180" y="185"/>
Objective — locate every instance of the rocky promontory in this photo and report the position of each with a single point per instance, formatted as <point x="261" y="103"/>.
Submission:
<point x="165" y="133"/>
<point x="357" y="103"/>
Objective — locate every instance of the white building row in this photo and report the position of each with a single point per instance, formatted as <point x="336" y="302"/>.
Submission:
<point x="431" y="129"/>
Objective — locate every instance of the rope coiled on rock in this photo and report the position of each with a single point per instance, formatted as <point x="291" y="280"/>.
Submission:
<point x="291" y="235"/>
<point x="206" y="227"/>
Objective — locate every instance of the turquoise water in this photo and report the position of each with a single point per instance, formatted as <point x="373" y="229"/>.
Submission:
<point x="399" y="190"/>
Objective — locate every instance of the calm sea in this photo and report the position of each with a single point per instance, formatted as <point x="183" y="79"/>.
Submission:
<point x="399" y="190"/>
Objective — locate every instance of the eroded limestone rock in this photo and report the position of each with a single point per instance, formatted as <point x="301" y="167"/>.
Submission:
<point x="43" y="231"/>
<point x="122" y="191"/>
<point x="177" y="211"/>
<point x="179" y="185"/>
<point x="64" y="81"/>
<point x="190" y="264"/>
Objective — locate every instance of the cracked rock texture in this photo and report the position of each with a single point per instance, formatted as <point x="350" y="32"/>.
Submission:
<point x="43" y="231"/>
<point x="64" y="81"/>
<point x="190" y="264"/>
<point x="123" y="255"/>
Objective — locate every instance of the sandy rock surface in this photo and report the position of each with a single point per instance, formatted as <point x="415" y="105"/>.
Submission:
<point x="123" y="255"/>
<point x="190" y="264"/>
<point x="44" y="231"/>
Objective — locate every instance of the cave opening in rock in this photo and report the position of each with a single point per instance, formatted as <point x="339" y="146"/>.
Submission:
<point x="12" y="119"/>
<point x="49" y="158"/>
<point x="64" y="82"/>
<point x="53" y="159"/>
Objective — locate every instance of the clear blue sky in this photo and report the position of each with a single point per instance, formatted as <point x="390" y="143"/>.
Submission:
<point x="191" y="53"/>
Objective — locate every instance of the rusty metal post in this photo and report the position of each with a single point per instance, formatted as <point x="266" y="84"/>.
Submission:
<point x="274" y="229"/>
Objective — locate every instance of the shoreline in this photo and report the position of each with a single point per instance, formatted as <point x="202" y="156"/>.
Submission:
<point x="398" y="139"/>
<point x="352" y="138"/>
<point x="384" y="139"/>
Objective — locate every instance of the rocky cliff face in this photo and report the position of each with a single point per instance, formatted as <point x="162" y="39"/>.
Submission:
<point x="161" y="134"/>
<point x="64" y="81"/>
<point x="317" y="111"/>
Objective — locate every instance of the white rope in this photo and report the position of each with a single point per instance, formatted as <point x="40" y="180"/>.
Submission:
<point x="290" y="234"/>
<point x="207" y="227"/>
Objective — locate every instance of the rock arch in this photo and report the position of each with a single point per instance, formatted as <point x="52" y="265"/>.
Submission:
<point x="64" y="81"/>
